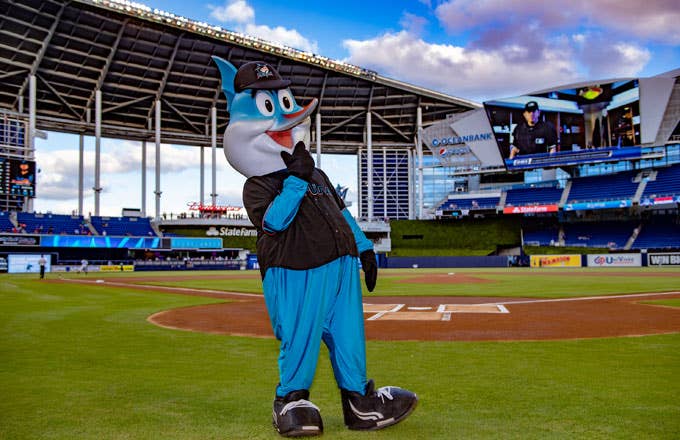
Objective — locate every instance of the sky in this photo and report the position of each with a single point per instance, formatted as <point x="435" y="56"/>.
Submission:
<point x="472" y="49"/>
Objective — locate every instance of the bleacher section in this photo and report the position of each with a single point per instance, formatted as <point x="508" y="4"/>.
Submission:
<point x="533" y="196"/>
<point x="470" y="203"/>
<point x="51" y="223"/>
<point x="596" y="188"/>
<point x="612" y="235"/>
<point x="541" y="237"/>
<point x="667" y="183"/>
<point x="127" y="226"/>
<point x="658" y="233"/>
<point x="6" y="224"/>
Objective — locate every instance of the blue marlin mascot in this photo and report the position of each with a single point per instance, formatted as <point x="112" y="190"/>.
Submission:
<point x="308" y="248"/>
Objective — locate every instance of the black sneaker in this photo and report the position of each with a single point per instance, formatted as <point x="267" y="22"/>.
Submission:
<point x="377" y="409"/>
<point x="295" y="416"/>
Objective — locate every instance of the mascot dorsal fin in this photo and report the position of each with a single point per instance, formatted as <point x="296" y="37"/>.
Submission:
<point x="228" y="72"/>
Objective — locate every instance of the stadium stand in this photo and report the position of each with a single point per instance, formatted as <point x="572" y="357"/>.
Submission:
<point x="609" y="187"/>
<point x="51" y="223"/>
<point x="612" y="235"/>
<point x="658" y="232"/>
<point x="532" y="196"/>
<point x="6" y="224"/>
<point x="130" y="226"/>
<point x="470" y="203"/>
<point x="667" y="183"/>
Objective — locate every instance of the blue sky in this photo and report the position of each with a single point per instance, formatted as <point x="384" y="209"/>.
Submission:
<point x="473" y="49"/>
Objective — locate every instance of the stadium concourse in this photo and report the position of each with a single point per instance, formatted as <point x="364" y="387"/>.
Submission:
<point x="432" y="168"/>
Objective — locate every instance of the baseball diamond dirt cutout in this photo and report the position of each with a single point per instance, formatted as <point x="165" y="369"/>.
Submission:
<point x="437" y="318"/>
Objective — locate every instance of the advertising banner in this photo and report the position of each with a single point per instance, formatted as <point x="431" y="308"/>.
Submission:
<point x="651" y="201"/>
<point x="26" y="263"/>
<point x="608" y="204"/>
<point x="529" y="209"/>
<point x="19" y="240"/>
<point x="614" y="260"/>
<point x="555" y="261"/>
<point x="667" y="259"/>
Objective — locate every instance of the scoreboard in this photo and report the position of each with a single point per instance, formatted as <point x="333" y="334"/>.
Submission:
<point x="17" y="177"/>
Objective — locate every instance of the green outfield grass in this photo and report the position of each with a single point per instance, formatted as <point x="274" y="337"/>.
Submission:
<point x="82" y="362"/>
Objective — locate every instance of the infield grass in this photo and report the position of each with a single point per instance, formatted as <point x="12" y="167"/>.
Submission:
<point x="82" y="362"/>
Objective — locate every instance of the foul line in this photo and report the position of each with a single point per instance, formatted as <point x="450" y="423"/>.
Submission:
<point x="584" y="298"/>
<point x="380" y="314"/>
<point x="168" y="288"/>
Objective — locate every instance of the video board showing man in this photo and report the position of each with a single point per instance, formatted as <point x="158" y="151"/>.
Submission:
<point x="22" y="178"/>
<point x="533" y="135"/>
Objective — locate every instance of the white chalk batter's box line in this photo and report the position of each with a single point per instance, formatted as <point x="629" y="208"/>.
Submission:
<point x="443" y="311"/>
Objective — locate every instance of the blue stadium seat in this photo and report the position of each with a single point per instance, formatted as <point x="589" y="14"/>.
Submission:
<point x="5" y="224"/>
<point x="660" y="232"/>
<point x="612" y="235"/>
<point x="599" y="188"/>
<point x="667" y="183"/>
<point x="126" y="226"/>
<point x="533" y="196"/>
<point x="52" y="223"/>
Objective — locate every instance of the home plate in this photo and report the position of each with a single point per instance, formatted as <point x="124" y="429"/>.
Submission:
<point x="472" y="308"/>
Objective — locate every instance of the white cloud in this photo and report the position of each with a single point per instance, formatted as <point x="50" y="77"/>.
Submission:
<point x="240" y="15"/>
<point x="461" y="71"/>
<point x="279" y="34"/>
<point x="238" y="11"/>
<point x="653" y="19"/>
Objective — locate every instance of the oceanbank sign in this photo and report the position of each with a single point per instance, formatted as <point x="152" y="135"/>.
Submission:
<point x="465" y="139"/>
<point x="226" y="231"/>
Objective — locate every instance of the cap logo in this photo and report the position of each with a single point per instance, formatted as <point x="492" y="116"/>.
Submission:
<point x="263" y="71"/>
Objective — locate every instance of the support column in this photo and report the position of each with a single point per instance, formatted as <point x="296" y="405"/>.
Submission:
<point x="81" y="168"/>
<point x="419" y="149"/>
<point x="213" y="139"/>
<point x="158" y="192"/>
<point x="97" y="148"/>
<point x="384" y="152"/>
<point x="318" y="139"/>
<point x="369" y="165"/>
<point x="143" y="178"/>
<point x="411" y="187"/>
<point x="30" y="152"/>
<point x="201" y="199"/>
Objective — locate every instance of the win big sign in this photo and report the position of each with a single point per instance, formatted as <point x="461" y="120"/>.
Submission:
<point x="664" y="259"/>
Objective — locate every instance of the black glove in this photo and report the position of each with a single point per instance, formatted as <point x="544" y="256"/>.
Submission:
<point x="300" y="164"/>
<point x="370" y="267"/>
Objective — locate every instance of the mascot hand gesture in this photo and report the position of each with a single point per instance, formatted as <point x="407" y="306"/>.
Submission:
<point x="308" y="249"/>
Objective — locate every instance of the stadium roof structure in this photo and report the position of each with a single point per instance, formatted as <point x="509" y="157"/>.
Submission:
<point x="135" y="55"/>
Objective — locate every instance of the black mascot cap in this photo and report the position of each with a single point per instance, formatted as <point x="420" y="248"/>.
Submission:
<point x="258" y="75"/>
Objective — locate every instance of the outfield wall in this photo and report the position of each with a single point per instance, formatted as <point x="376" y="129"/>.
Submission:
<point x="439" y="262"/>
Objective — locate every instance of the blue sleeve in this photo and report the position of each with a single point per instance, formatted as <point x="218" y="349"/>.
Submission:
<point x="363" y="243"/>
<point x="281" y="211"/>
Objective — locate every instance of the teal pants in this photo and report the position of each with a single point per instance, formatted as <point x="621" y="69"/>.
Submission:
<point x="307" y="306"/>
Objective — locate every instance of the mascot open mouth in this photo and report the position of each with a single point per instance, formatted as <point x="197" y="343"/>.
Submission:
<point x="283" y="138"/>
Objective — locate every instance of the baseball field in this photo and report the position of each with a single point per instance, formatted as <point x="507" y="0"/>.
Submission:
<point x="491" y="353"/>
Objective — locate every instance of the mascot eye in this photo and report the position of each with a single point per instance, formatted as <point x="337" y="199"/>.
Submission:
<point x="264" y="103"/>
<point x="286" y="100"/>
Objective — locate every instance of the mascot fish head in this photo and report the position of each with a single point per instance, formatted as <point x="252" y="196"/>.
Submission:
<point x="264" y="118"/>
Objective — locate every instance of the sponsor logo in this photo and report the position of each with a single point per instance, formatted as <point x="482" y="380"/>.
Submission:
<point x="664" y="259"/>
<point x="453" y="140"/>
<point x="226" y="231"/>
<point x="614" y="260"/>
<point x="528" y="209"/>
